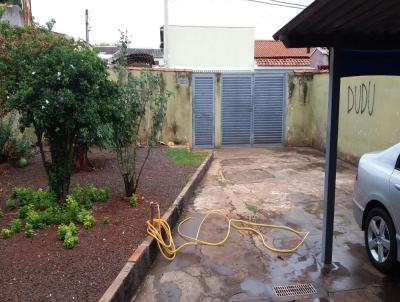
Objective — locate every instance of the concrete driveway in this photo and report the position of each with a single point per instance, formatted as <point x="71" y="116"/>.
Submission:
<point x="281" y="186"/>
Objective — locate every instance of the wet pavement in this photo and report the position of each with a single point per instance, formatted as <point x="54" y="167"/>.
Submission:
<point x="282" y="186"/>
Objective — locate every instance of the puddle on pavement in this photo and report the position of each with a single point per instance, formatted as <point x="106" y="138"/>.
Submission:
<point x="254" y="286"/>
<point x="246" y="176"/>
<point x="169" y="292"/>
<point x="238" y="161"/>
<point x="218" y="267"/>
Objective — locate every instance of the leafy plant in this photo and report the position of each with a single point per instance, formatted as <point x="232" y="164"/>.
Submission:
<point x="88" y="221"/>
<point x="61" y="88"/>
<point x="70" y="240"/>
<point x="33" y="218"/>
<point x="141" y="98"/>
<point x="10" y="204"/>
<point x="16" y="226"/>
<point x="5" y="233"/>
<point x="40" y="207"/>
<point x="106" y="220"/>
<point x="63" y="229"/>
<point x="133" y="200"/>
<point x="28" y="230"/>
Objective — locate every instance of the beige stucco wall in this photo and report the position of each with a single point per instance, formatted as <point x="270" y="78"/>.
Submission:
<point x="361" y="129"/>
<point x="204" y="47"/>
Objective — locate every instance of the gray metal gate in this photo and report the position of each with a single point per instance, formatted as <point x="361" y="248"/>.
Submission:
<point x="203" y="110"/>
<point x="253" y="108"/>
<point x="236" y="106"/>
<point x="268" y="104"/>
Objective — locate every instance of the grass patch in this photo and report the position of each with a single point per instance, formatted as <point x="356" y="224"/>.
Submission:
<point x="181" y="156"/>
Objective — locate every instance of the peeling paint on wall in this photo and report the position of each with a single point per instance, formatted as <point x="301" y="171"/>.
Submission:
<point x="368" y="119"/>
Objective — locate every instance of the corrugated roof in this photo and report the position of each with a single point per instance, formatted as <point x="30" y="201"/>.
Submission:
<point x="274" y="53"/>
<point x="342" y="23"/>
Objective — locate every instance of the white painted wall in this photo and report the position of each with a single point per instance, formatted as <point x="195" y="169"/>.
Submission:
<point x="200" y="47"/>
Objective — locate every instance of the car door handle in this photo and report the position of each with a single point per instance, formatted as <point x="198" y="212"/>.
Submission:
<point x="397" y="186"/>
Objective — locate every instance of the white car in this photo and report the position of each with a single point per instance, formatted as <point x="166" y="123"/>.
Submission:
<point x="376" y="206"/>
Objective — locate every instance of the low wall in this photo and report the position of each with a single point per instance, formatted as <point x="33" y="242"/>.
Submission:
<point x="368" y="119"/>
<point x="179" y="109"/>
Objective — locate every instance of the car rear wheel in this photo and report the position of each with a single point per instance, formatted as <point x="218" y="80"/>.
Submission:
<point x="380" y="240"/>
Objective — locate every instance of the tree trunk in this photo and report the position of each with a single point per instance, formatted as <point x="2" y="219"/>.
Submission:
<point x="81" y="160"/>
<point x="129" y="185"/>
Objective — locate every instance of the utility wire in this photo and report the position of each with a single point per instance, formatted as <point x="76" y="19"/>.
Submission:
<point x="276" y="4"/>
<point x="289" y="3"/>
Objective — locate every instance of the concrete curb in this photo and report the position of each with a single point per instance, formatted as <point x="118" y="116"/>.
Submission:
<point x="132" y="274"/>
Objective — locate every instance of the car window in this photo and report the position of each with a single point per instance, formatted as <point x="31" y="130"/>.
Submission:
<point x="398" y="163"/>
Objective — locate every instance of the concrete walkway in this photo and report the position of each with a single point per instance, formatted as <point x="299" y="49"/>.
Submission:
<point x="281" y="186"/>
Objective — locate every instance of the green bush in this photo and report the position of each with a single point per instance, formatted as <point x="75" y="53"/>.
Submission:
<point x="133" y="200"/>
<point x="72" y="208"/>
<point x="34" y="218"/>
<point x="106" y="220"/>
<point x="60" y="87"/>
<point x="40" y="207"/>
<point x="23" y="195"/>
<point x="10" y="203"/>
<point x="89" y="221"/>
<point x="70" y="240"/>
<point x="16" y="225"/>
<point x="88" y="194"/>
<point x="23" y="212"/>
<point x="63" y="229"/>
<point x="5" y="233"/>
<point x="28" y="230"/>
<point x="86" y="218"/>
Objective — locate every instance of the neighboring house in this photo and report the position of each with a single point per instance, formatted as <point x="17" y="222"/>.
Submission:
<point x="210" y="48"/>
<point x="273" y="54"/>
<point x="143" y="54"/>
<point x="320" y="58"/>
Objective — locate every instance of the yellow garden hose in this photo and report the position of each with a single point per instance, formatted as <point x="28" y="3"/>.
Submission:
<point x="156" y="227"/>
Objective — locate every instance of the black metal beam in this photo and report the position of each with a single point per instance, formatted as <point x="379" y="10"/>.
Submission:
<point x="349" y="41"/>
<point x="331" y="156"/>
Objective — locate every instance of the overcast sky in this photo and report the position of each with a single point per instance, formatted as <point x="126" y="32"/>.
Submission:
<point x="143" y="18"/>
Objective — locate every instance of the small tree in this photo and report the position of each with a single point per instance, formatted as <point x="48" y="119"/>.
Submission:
<point x="143" y="98"/>
<point x="61" y="88"/>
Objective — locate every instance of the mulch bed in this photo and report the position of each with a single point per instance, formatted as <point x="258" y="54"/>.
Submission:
<point x="41" y="269"/>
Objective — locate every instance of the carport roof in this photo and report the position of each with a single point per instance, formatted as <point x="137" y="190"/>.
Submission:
<point x="357" y="24"/>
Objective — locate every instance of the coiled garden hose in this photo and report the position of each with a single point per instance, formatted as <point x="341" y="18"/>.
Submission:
<point x="156" y="227"/>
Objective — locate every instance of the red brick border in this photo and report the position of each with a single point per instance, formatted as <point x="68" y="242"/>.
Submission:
<point x="133" y="273"/>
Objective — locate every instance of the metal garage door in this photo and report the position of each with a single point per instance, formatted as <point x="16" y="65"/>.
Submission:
<point x="253" y="108"/>
<point x="203" y="110"/>
<point x="268" y="104"/>
<point x="236" y="109"/>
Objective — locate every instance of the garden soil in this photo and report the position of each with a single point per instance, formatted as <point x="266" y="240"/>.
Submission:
<point x="41" y="269"/>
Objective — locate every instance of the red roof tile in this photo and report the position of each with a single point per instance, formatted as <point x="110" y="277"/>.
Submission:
<point x="268" y="52"/>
